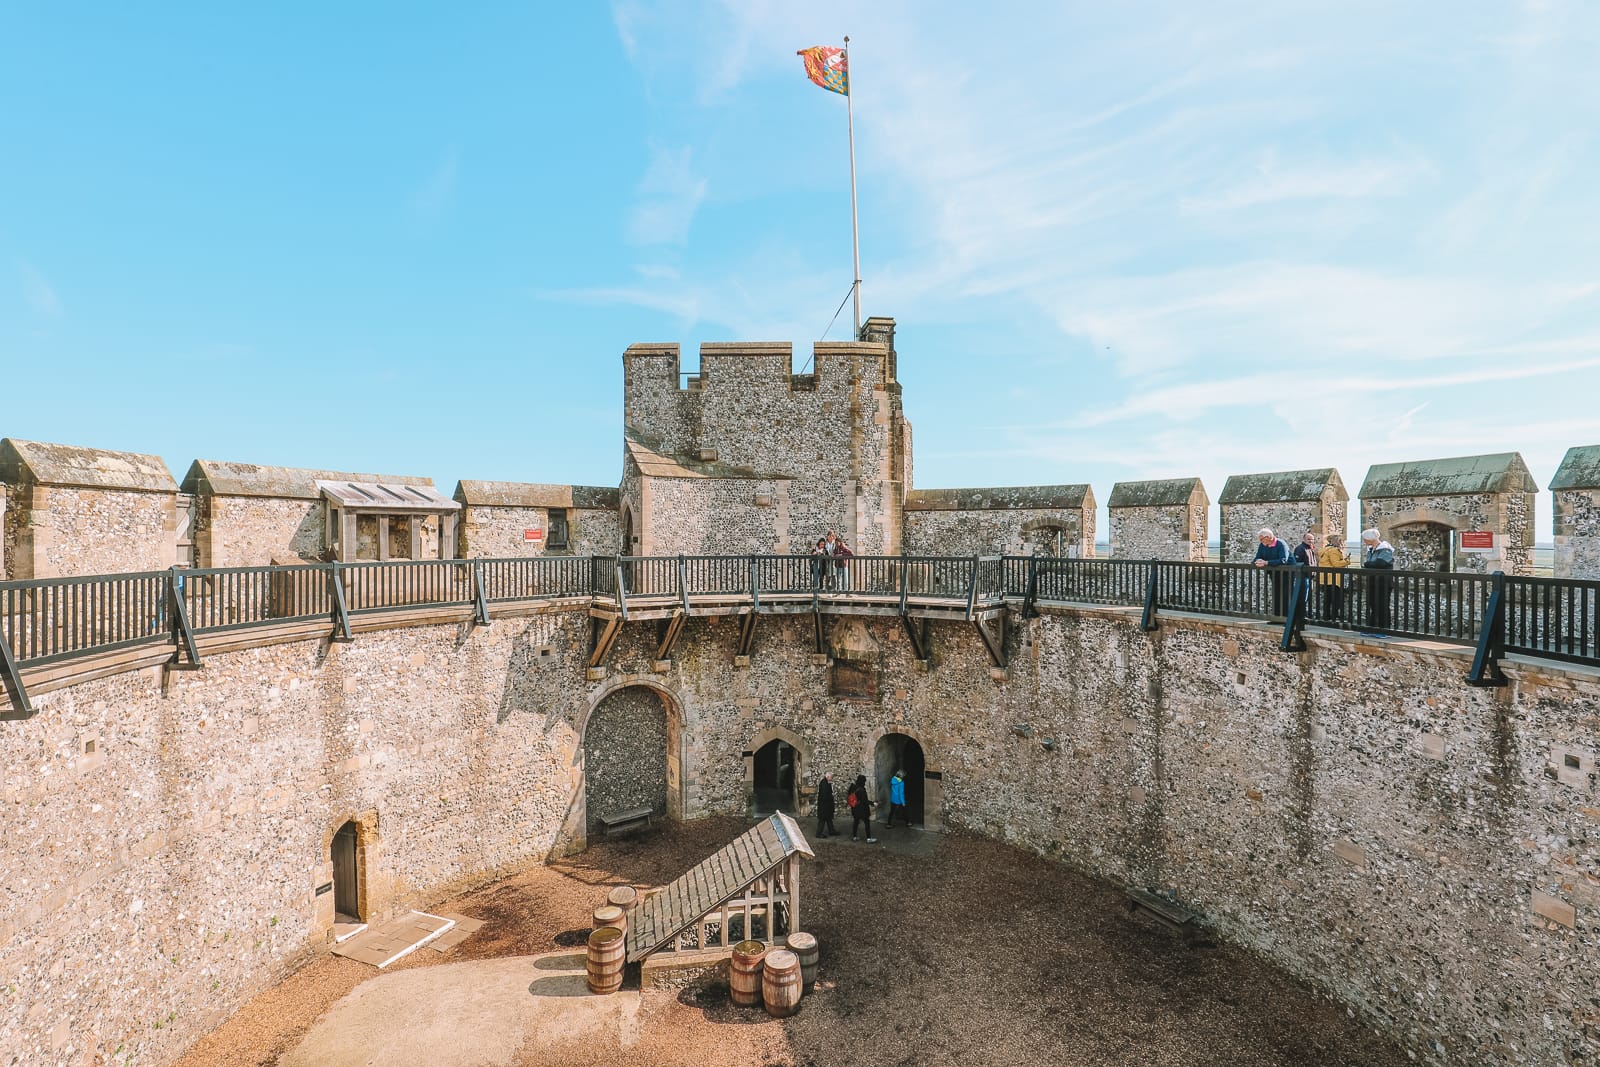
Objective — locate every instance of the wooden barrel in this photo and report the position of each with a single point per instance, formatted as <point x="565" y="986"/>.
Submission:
<point x="805" y="946"/>
<point x="607" y="952"/>
<point x="744" y="976"/>
<point x="780" y="983"/>
<point x="624" y="897"/>
<point x="610" y="915"/>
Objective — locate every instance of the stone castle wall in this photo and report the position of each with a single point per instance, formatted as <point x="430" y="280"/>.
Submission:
<point x="252" y="531"/>
<point x="1288" y="519"/>
<point x="1419" y="528"/>
<point x="1175" y="532"/>
<point x="717" y="516"/>
<point x="62" y="532"/>
<point x="1355" y="813"/>
<point x="1577" y="533"/>
<point x="833" y="433"/>
<point x="501" y="532"/>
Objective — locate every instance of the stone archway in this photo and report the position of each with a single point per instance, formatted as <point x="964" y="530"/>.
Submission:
<point x="774" y="771"/>
<point x="891" y="744"/>
<point x="630" y="754"/>
<point x="345" y="893"/>
<point x="1423" y="546"/>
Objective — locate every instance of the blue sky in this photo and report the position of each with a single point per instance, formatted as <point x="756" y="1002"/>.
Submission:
<point x="1121" y="240"/>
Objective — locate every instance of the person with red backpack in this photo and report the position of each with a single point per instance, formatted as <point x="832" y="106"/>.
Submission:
<point x="860" y="809"/>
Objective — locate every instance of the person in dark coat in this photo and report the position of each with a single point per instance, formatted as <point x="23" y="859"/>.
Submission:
<point x="861" y="810"/>
<point x="1378" y="557"/>
<point x="825" y="807"/>
<point x="1305" y="555"/>
<point x="1273" y="552"/>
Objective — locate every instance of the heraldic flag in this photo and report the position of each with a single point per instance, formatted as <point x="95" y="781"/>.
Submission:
<point x="828" y="67"/>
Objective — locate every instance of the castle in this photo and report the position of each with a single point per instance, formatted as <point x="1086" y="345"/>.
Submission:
<point x="183" y="830"/>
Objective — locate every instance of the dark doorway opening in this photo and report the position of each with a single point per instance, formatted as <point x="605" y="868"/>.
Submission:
<point x="346" y="875"/>
<point x="899" y="752"/>
<point x="777" y="770"/>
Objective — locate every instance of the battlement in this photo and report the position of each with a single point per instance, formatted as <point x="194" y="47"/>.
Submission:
<point x="654" y="371"/>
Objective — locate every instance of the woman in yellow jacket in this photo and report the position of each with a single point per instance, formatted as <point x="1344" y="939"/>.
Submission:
<point x="1332" y="585"/>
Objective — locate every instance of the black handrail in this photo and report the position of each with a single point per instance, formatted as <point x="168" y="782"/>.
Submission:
<point x="49" y="620"/>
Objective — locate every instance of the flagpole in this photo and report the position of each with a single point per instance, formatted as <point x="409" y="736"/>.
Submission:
<point x="855" y="231"/>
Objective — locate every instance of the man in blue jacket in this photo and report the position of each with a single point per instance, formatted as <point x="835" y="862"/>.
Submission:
<point x="897" y="799"/>
<point x="1273" y="552"/>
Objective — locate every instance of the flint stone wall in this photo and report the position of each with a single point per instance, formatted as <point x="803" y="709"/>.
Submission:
<point x="1013" y="521"/>
<point x="1356" y="813"/>
<point x="252" y="531"/>
<point x="625" y="755"/>
<point x="64" y="532"/>
<point x="501" y="532"/>
<point x="1577" y="533"/>
<point x="1418" y="527"/>
<point x="724" y="516"/>
<point x="1176" y="532"/>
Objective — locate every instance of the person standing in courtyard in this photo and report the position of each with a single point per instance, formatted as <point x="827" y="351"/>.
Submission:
<point x="1331" y="557"/>
<point x="1378" y="557"/>
<point x="897" y="799"/>
<point x="825" y="807"/>
<point x="860" y="809"/>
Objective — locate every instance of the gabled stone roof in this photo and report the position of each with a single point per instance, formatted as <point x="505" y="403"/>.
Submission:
<point x="1579" y="470"/>
<point x="1163" y="492"/>
<point x="1501" y="472"/>
<point x="210" y="477"/>
<point x="1000" y="498"/>
<point x="1281" y="487"/>
<point x="38" y="463"/>
<point x="536" y="495"/>
<point x="664" y="915"/>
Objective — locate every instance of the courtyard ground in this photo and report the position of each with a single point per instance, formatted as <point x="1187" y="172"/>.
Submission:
<point x="935" y="949"/>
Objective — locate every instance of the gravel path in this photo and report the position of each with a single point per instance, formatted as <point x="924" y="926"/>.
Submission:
<point x="936" y="950"/>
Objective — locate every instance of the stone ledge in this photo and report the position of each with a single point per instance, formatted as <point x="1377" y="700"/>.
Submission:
<point x="677" y="970"/>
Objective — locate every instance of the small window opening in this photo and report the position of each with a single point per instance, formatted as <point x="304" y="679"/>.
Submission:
<point x="556" y="536"/>
<point x="1568" y="758"/>
<point x="91" y="745"/>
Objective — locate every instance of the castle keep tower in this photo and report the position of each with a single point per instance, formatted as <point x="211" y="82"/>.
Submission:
<point x="748" y="456"/>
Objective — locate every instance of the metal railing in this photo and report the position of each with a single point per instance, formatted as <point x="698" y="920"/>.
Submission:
<point x="48" y="621"/>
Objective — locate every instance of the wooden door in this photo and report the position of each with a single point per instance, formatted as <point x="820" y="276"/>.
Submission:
<point x="346" y="887"/>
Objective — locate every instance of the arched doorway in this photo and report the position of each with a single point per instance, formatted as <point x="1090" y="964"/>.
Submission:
<point x="900" y="752"/>
<point x="777" y="777"/>
<point x="1423" y="546"/>
<point x="1046" y="541"/>
<point x="346" y="874"/>
<point x="626" y="746"/>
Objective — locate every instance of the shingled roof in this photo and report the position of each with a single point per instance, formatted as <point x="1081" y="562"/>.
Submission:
<point x="753" y="854"/>
<point x="37" y="463"/>
<point x="1281" y="486"/>
<point x="1501" y="472"/>
<point x="210" y="477"/>
<point x="1579" y="470"/>
<point x="1162" y="492"/>
<point x="1000" y="498"/>
<point x="536" y="495"/>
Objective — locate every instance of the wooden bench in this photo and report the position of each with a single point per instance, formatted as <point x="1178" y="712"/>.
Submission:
<point x="1166" y="911"/>
<point x="623" y="822"/>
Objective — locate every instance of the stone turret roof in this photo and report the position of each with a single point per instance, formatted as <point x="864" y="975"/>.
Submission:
<point x="1163" y="492"/>
<point x="37" y="463"/>
<point x="1502" y="472"/>
<point x="1281" y="487"/>
<point x="210" y="477"/>
<point x="1579" y="470"/>
<point x="1000" y="498"/>
<point x="536" y="495"/>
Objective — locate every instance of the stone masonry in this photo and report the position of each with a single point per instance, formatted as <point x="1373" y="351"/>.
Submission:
<point x="1576" y="493"/>
<point x="1289" y="502"/>
<point x="1164" y="519"/>
<point x="498" y="518"/>
<point x="1042" y="520"/>
<point x="1354" y="813"/>
<point x="74" y="511"/>
<point x="1421" y="507"/>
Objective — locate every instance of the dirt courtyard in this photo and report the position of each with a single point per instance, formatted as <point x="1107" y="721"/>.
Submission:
<point x="935" y="949"/>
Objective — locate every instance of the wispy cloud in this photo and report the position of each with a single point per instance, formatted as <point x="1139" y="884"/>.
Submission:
<point x="37" y="291"/>
<point x="1274" y="181"/>
<point x="669" y="196"/>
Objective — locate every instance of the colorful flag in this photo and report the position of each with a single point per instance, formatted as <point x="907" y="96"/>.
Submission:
<point x="828" y="67"/>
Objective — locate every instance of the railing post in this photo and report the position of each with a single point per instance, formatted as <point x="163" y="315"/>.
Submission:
<point x="622" y="592"/>
<point x="1031" y="594"/>
<point x="481" y="602"/>
<point x="1294" y="622"/>
<point x="11" y="676"/>
<point x="182" y="634"/>
<point x="341" y="612"/>
<point x="972" y="590"/>
<point x="1147" y="622"/>
<point x="905" y="583"/>
<point x="755" y="584"/>
<point x="1491" y="638"/>
<point x="683" y="583"/>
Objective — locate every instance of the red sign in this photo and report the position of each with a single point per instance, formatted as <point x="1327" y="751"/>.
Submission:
<point x="533" y="535"/>
<point x="1477" y="539"/>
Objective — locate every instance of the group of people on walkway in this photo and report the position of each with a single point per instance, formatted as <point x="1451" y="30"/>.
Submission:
<point x="1377" y="556"/>
<point x="830" y="563"/>
<point x="860" y="804"/>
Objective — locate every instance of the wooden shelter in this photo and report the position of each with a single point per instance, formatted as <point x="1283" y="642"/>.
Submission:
<point x="747" y="890"/>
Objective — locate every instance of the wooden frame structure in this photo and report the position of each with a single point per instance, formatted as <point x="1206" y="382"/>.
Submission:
<point x="748" y="890"/>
